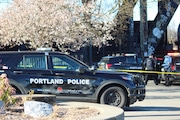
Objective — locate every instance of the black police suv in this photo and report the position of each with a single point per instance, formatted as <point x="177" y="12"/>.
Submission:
<point x="176" y="68"/>
<point x="174" y="74"/>
<point x="48" y="72"/>
<point x="125" y="62"/>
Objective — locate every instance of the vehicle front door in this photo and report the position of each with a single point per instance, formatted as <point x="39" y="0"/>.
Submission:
<point x="73" y="80"/>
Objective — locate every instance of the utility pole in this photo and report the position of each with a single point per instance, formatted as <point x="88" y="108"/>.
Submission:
<point x="143" y="28"/>
<point x="90" y="51"/>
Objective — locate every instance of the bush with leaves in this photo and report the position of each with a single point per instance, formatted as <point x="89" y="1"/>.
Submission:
<point x="6" y="91"/>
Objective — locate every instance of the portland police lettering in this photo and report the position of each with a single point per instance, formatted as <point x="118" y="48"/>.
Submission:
<point x="59" y="81"/>
<point x="78" y="81"/>
<point x="45" y="81"/>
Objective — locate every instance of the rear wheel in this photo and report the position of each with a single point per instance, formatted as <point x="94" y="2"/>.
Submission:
<point x="18" y="92"/>
<point x="168" y="82"/>
<point x="18" y="87"/>
<point x="114" y="96"/>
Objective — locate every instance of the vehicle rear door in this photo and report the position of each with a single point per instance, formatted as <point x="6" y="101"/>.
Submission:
<point x="177" y="66"/>
<point x="31" y="72"/>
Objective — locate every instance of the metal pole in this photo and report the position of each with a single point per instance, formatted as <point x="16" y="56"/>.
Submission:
<point x="90" y="51"/>
<point x="143" y="28"/>
<point x="131" y="34"/>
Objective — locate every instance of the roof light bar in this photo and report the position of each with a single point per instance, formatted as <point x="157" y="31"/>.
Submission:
<point x="174" y="54"/>
<point x="44" y="49"/>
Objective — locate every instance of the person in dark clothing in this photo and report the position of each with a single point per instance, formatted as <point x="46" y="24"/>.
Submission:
<point x="158" y="69"/>
<point x="150" y="65"/>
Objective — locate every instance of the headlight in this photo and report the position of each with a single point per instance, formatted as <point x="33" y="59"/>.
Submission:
<point x="127" y="77"/>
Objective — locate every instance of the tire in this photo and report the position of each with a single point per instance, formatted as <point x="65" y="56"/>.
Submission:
<point x="159" y="79"/>
<point x="18" y="91"/>
<point x="17" y="86"/>
<point x="168" y="82"/>
<point x="114" y="96"/>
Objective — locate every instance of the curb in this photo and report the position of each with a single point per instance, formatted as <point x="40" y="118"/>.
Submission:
<point x="107" y="112"/>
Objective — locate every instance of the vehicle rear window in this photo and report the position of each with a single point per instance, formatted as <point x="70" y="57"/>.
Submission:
<point x="104" y="60"/>
<point x="118" y="59"/>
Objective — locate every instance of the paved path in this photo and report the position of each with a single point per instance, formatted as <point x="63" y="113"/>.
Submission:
<point x="161" y="103"/>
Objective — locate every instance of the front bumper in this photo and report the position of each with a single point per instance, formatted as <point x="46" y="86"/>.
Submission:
<point x="137" y="93"/>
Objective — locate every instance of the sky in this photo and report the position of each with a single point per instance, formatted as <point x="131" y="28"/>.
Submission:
<point x="152" y="10"/>
<point x="3" y="3"/>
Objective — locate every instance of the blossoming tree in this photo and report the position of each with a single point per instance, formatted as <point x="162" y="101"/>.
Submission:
<point x="65" y="24"/>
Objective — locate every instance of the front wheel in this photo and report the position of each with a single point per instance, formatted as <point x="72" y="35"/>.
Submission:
<point x="114" y="96"/>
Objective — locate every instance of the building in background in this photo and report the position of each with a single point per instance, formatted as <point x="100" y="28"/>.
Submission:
<point x="172" y="29"/>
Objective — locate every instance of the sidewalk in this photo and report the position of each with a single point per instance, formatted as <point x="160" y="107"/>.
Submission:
<point x="107" y="112"/>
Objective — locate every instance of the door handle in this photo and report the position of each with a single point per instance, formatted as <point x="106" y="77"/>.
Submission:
<point x="18" y="72"/>
<point x="60" y="74"/>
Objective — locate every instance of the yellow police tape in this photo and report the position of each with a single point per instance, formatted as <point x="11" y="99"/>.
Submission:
<point x="144" y="71"/>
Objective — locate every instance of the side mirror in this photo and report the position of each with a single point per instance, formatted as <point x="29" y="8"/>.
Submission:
<point x="93" y="67"/>
<point x="81" y="70"/>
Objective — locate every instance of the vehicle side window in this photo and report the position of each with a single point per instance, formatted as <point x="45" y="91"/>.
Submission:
<point x="4" y="60"/>
<point x="130" y="60"/>
<point x="63" y="63"/>
<point x="139" y="60"/>
<point x="118" y="59"/>
<point x="32" y="62"/>
<point x="122" y="59"/>
<point x="177" y="61"/>
<point x="104" y="60"/>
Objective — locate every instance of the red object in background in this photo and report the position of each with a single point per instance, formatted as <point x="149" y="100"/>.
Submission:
<point x="59" y="89"/>
<point x="173" y="68"/>
<point x="108" y="66"/>
<point x="159" y="58"/>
